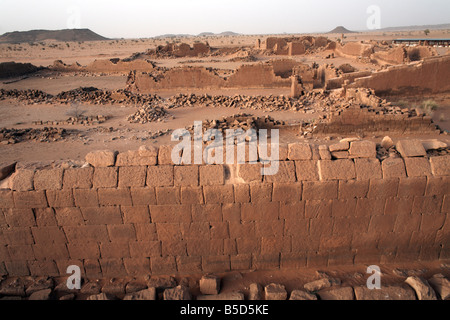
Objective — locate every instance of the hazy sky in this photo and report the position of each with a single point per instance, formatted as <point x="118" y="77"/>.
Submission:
<point x="140" y="18"/>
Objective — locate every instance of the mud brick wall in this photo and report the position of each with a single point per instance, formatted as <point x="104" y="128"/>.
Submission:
<point x="135" y="213"/>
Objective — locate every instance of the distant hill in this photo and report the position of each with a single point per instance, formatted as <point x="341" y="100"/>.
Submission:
<point x="203" y="34"/>
<point x="341" y="29"/>
<point x="416" y="28"/>
<point x="59" y="35"/>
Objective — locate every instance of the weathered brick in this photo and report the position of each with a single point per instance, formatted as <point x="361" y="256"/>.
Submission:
<point x="206" y="212"/>
<point x="44" y="217"/>
<point x="398" y="206"/>
<point x="218" y="194"/>
<point x="249" y="172"/>
<point x="241" y="193"/>
<point x="340" y="146"/>
<point x="189" y="265"/>
<point x="78" y="178"/>
<point x="299" y="151"/>
<point x="407" y="223"/>
<point x="260" y="211"/>
<point x="143" y="196"/>
<point x="163" y="265"/>
<point x="137" y="266"/>
<point x="69" y="217"/>
<point x="22" y="180"/>
<point x="165" y="155"/>
<point x="427" y="205"/>
<point x="287" y="192"/>
<point x="417" y="167"/>
<point x="135" y="214"/>
<point x="212" y="175"/>
<point x="92" y="269"/>
<point x="168" y="195"/>
<point x="19" y="217"/>
<point x="52" y="234"/>
<point x="269" y="228"/>
<point x="440" y="166"/>
<point x="89" y="233"/>
<point x="21" y="252"/>
<point x="145" y="156"/>
<point x="105" y="177"/>
<point x="145" y="249"/>
<point x="363" y="149"/>
<point x="318" y="208"/>
<point x="173" y="248"/>
<point x="432" y="223"/>
<point x="324" y="153"/>
<point x="170" y="213"/>
<point x="199" y="247"/>
<point x="437" y="186"/>
<point x="192" y="195"/>
<point x="307" y="170"/>
<point x="247" y="245"/>
<point x="382" y="224"/>
<point x="102" y="215"/>
<point x="410" y="187"/>
<point x="261" y="192"/>
<point x="85" y="197"/>
<point x="112" y="268"/>
<point x="186" y="176"/>
<point x="343" y="208"/>
<point x="343" y="169"/>
<point x="355" y="225"/>
<point x="160" y="176"/>
<point x="229" y="246"/>
<point x="30" y="199"/>
<point x="50" y="251"/>
<point x="320" y="190"/>
<point x="241" y="261"/>
<point x="48" y="179"/>
<point x="103" y="158"/>
<point x="219" y="230"/>
<point x="304" y="243"/>
<point x="60" y="198"/>
<point x="393" y="168"/>
<point x="266" y="261"/>
<point x="43" y="268"/>
<point x="383" y="188"/>
<point x="145" y="231"/>
<point x="242" y="229"/>
<point x="292" y="261"/>
<point x="369" y="207"/>
<point x="121" y="232"/>
<point x="6" y="199"/>
<point x="17" y="268"/>
<point x="319" y="226"/>
<point x="132" y="176"/>
<point x="231" y="212"/>
<point x="292" y="210"/>
<point x="168" y="231"/>
<point x="368" y="169"/>
<point x="83" y="250"/>
<point x="114" y="197"/>
<point x="350" y="189"/>
<point x="114" y="250"/>
<point x="17" y="236"/>
<point x="286" y="173"/>
<point x="411" y="148"/>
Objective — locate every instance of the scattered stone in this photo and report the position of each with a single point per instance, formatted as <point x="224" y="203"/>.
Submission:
<point x="134" y="286"/>
<point x="39" y="284"/>
<point x="423" y="290"/>
<point x="317" y="285"/>
<point x="210" y="284"/>
<point x="162" y="282"/>
<point x="275" y="291"/>
<point x="101" y="158"/>
<point x="91" y="288"/>
<point x="387" y="143"/>
<point x="441" y="285"/>
<point x="302" y="295"/>
<point x="411" y="148"/>
<point x="100" y="296"/>
<point x="114" y="287"/>
<point x="41" y="295"/>
<point x="6" y="169"/>
<point x="67" y="297"/>
<point x="146" y="294"/>
<point x="12" y="287"/>
<point x="256" y="291"/>
<point x="363" y="149"/>
<point x="324" y="153"/>
<point x="341" y="146"/>
<point x="394" y="292"/>
<point x="433" y="144"/>
<point x="223" y="296"/>
<point x="177" y="293"/>
<point x="344" y="293"/>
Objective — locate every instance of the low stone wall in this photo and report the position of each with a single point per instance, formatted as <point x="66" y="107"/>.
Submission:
<point x="136" y="213"/>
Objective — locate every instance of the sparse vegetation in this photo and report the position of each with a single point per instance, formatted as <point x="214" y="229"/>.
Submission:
<point x="75" y="111"/>
<point x="429" y="107"/>
<point x="427" y="32"/>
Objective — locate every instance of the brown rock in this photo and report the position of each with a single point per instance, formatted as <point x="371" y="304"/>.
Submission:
<point x="223" y="296"/>
<point x="275" y="291"/>
<point x="146" y="294"/>
<point x="422" y="288"/>
<point x="299" y="151"/>
<point x="344" y="293"/>
<point x="255" y="292"/>
<point x="441" y="285"/>
<point x="363" y="149"/>
<point x="302" y="295"/>
<point x="387" y="143"/>
<point x="440" y="166"/>
<point x="6" y="169"/>
<point x="177" y="293"/>
<point x="41" y="295"/>
<point x="411" y="148"/>
<point x="385" y="293"/>
<point x="103" y="158"/>
<point x="101" y="296"/>
<point x="318" y="285"/>
<point x="341" y="146"/>
<point x="210" y="284"/>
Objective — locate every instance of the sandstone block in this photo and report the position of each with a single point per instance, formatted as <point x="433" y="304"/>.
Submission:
<point x="22" y="180"/>
<point x="78" y="178"/>
<point x="105" y="177"/>
<point x="255" y="292"/>
<point x="324" y="153"/>
<point x="317" y="285"/>
<point x="249" y="172"/>
<point x="423" y="289"/>
<point x="275" y="291"/>
<point x="363" y="149"/>
<point x="212" y="175"/>
<point x="299" y="151"/>
<point x="48" y="179"/>
<point x="441" y="285"/>
<point x="143" y="196"/>
<point x="369" y="168"/>
<point x="114" y="197"/>
<point x="6" y="168"/>
<point x="440" y="166"/>
<point x="192" y="195"/>
<point x="145" y="156"/>
<point x="146" y="294"/>
<point x="165" y="155"/>
<point x="160" y="176"/>
<point x="411" y="148"/>
<point x="241" y="193"/>
<point x="132" y="176"/>
<point x="416" y="167"/>
<point x="186" y="176"/>
<point x="210" y="284"/>
<point x="168" y="195"/>
<point x="6" y="199"/>
<point x="393" y="168"/>
<point x="320" y="190"/>
<point x="103" y="158"/>
<point x="286" y="173"/>
<point x="218" y="194"/>
<point x="307" y="170"/>
<point x="341" y="146"/>
<point x="302" y="295"/>
<point x="230" y="296"/>
<point x="85" y="197"/>
<point x="287" y="192"/>
<point x="343" y="169"/>
<point x="30" y="199"/>
<point x="344" y="293"/>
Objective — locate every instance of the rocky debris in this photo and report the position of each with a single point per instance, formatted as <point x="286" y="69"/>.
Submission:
<point x="275" y="291"/>
<point x="411" y="148"/>
<point x="387" y="143"/>
<point x="46" y="134"/>
<point x="114" y="287"/>
<point x="317" y="285"/>
<point x="100" y="296"/>
<point x="135" y="286"/>
<point x="91" y="288"/>
<point x="149" y="114"/>
<point x="30" y="96"/>
<point x="178" y="293"/>
<point x="223" y="296"/>
<point x="422" y="288"/>
<point x="6" y="169"/>
<point x="145" y="294"/>
<point x="41" y="295"/>
<point x="40" y="284"/>
<point x="161" y="283"/>
<point x="441" y="285"/>
<point x="12" y="287"/>
<point x="393" y="292"/>
<point x="343" y="293"/>
<point x="82" y="120"/>
<point x="302" y="295"/>
<point x="210" y="284"/>
<point x="255" y="292"/>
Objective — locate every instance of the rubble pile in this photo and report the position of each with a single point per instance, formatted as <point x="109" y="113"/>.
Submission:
<point x="30" y="96"/>
<point x="149" y="114"/>
<point x="83" y="120"/>
<point x="46" y="134"/>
